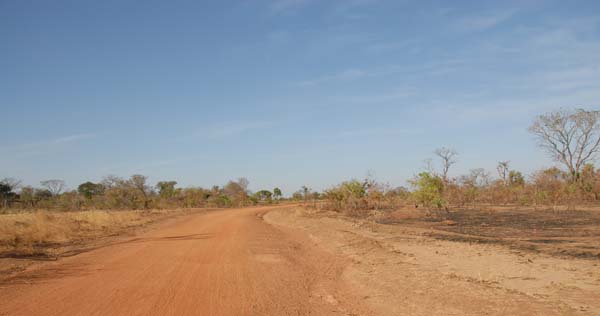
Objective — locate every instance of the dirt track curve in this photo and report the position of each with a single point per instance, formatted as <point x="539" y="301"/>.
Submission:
<point x="227" y="262"/>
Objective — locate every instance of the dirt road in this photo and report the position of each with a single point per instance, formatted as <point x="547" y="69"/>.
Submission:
<point x="222" y="263"/>
<point x="285" y="261"/>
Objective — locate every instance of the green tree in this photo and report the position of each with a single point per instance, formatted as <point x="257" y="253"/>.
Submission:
<point x="7" y="188"/>
<point x="138" y="181"/>
<point x="166" y="189"/>
<point x="90" y="189"/>
<point x="429" y="190"/>
<point x="263" y="195"/>
<point x="6" y="194"/>
<point x="348" y="195"/>
<point x="277" y="193"/>
<point x="515" y="178"/>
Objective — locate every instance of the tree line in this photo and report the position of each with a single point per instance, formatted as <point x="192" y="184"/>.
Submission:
<point x="570" y="137"/>
<point x="132" y="193"/>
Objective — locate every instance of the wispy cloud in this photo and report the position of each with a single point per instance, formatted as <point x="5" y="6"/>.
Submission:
<point x="572" y="78"/>
<point x="45" y="146"/>
<point x="406" y="46"/>
<point x="71" y="138"/>
<point x="232" y="129"/>
<point x="348" y="74"/>
<point x="484" y="21"/>
<point x="493" y="108"/>
<point x="374" y="98"/>
<point x="378" y="132"/>
<point x="427" y="69"/>
<point x="148" y="166"/>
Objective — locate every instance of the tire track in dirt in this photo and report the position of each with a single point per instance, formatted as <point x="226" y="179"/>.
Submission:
<point x="226" y="262"/>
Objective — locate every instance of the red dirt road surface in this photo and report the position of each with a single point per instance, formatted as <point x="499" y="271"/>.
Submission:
<point x="226" y="262"/>
<point x="286" y="260"/>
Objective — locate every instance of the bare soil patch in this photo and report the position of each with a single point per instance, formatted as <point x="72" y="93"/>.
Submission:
<point x="559" y="233"/>
<point x="422" y="265"/>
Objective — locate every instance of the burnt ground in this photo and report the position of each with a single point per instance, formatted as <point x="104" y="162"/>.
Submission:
<point x="558" y="233"/>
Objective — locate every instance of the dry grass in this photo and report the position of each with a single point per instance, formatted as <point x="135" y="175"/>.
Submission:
<point x="44" y="233"/>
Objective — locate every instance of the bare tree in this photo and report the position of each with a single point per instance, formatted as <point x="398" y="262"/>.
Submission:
<point x="243" y="182"/>
<point x="139" y="182"/>
<point x="448" y="157"/>
<point x="55" y="186"/>
<point x="570" y="137"/>
<point x="480" y="177"/>
<point x="503" y="170"/>
<point x="111" y="181"/>
<point x="428" y="166"/>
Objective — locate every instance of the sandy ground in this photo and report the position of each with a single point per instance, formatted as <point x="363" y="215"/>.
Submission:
<point x="226" y="262"/>
<point x="287" y="261"/>
<point x="402" y="271"/>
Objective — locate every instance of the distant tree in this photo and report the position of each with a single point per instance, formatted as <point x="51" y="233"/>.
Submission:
<point x="237" y="191"/>
<point x="90" y="189"/>
<point x="138" y="181"/>
<point x="42" y="194"/>
<point x="297" y="196"/>
<point x="27" y="196"/>
<point x="515" y="178"/>
<point x="315" y="195"/>
<point x="166" y="189"/>
<point x="263" y="195"/>
<point x="7" y="188"/>
<point x="551" y="185"/>
<point x="305" y="192"/>
<point x="503" y="171"/>
<point x="474" y="185"/>
<point x="590" y="178"/>
<point x="111" y="181"/>
<point x="476" y="178"/>
<point x="12" y="183"/>
<point x="428" y="190"/>
<point x="233" y="189"/>
<point x="277" y="193"/>
<point x="448" y="157"/>
<point x="243" y="182"/>
<point x="572" y="138"/>
<point x="55" y="186"/>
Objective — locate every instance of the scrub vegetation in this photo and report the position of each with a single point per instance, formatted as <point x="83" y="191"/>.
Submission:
<point x="50" y="214"/>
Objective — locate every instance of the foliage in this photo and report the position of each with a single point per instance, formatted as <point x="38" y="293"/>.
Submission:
<point x="90" y="189"/>
<point x="263" y="196"/>
<point x="166" y="189"/>
<point x="429" y="190"/>
<point x="572" y="137"/>
<point x="277" y="193"/>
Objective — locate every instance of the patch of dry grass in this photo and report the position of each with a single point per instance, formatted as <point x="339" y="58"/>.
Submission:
<point x="44" y="233"/>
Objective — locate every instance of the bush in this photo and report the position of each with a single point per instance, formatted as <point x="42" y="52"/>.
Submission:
<point x="429" y="190"/>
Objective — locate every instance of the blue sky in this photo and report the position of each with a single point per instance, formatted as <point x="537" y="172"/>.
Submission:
<point x="284" y="92"/>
